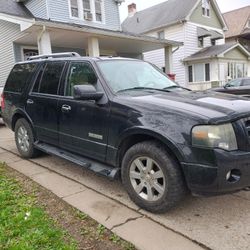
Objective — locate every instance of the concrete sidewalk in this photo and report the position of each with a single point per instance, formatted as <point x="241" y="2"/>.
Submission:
<point x="220" y="223"/>
<point x="127" y="223"/>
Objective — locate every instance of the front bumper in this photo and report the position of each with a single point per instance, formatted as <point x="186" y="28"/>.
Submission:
<point x="214" y="179"/>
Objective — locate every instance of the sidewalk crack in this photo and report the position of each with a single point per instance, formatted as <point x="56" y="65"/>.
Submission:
<point x="126" y="221"/>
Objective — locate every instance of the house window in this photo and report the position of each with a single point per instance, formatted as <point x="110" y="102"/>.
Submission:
<point x="161" y="35"/>
<point x="207" y="72"/>
<point x="86" y="9"/>
<point x="89" y="10"/>
<point x="199" y="72"/>
<point x="213" y="42"/>
<point x="200" y="42"/>
<point x="74" y="8"/>
<point x="206" y="8"/>
<point x="237" y="70"/>
<point x="190" y="73"/>
<point x="98" y="10"/>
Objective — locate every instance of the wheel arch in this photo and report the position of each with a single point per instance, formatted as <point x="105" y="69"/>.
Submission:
<point x="19" y="113"/>
<point x="134" y="136"/>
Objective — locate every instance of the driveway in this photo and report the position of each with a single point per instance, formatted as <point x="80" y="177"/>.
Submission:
<point x="221" y="222"/>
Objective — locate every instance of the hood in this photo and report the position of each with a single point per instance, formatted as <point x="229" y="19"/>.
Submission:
<point x="212" y="106"/>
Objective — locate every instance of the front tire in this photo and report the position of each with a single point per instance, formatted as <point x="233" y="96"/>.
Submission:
<point x="152" y="177"/>
<point x="24" y="138"/>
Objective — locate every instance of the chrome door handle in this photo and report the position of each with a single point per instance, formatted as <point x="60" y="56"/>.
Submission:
<point x="65" y="108"/>
<point x="29" y="101"/>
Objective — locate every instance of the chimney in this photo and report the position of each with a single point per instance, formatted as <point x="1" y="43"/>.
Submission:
<point x="131" y="9"/>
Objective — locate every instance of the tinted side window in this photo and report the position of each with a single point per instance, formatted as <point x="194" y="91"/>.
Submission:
<point x="19" y="77"/>
<point x="51" y="78"/>
<point x="80" y="73"/>
<point x="246" y="82"/>
<point x="38" y="80"/>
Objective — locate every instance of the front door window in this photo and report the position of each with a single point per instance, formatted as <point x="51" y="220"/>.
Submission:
<point x="80" y="73"/>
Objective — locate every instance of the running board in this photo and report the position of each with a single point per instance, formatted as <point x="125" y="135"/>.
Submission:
<point x="98" y="168"/>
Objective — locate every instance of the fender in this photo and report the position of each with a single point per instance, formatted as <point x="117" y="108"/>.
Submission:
<point x="155" y="134"/>
<point x="23" y="113"/>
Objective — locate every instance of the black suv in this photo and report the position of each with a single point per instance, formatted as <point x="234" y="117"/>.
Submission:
<point x="116" y="115"/>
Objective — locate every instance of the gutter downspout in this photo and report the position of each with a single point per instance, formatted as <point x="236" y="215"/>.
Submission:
<point x="39" y="39"/>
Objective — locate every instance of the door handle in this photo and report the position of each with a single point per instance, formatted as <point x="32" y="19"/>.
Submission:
<point x="29" y="101"/>
<point x="65" y="108"/>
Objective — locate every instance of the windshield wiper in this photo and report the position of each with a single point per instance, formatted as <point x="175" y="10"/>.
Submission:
<point x="141" y="88"/>
<point x="173" y="87"/>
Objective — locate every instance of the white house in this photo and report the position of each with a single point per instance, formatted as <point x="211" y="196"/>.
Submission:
<point x="204" y="60"/>
<point x="89" y="27"/>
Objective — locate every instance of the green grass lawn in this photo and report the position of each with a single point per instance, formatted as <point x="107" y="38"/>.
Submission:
<point x="25" y="225"/>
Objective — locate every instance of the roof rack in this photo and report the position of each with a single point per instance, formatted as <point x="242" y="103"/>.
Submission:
<point x="55" y="55"/>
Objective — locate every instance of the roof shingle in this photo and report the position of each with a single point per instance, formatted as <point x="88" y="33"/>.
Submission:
<point x="11" y="7"/>
<point x="211" y="51"/>
<point x="160" y="15"/>
<point x="236" y="21"/>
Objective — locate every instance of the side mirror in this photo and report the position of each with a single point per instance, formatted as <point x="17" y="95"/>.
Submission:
<point x="86" y="92"/>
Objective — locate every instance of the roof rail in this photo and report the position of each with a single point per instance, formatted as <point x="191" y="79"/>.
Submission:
<point x="55" y="55"/>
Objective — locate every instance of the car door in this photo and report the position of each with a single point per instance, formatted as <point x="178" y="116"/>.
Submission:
<point x="42" y="102"/>
<point x="83" y="124"/>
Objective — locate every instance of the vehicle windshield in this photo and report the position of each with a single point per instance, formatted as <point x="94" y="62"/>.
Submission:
<point x="123" y="75"/>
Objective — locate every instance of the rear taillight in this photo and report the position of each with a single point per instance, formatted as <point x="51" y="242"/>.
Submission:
<point x="2" y="102"/>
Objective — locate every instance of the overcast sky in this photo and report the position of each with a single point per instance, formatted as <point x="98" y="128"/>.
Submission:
<point x="225" y="5"/>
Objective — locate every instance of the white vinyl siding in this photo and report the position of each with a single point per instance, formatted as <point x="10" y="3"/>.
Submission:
<point x="156" y="57"/>
<point x="60" y="10"/>
<point x="11" y="32"/>
<point x="38" y="8"/>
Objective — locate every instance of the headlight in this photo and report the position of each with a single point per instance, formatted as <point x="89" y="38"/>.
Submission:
<point x="215" y="136"/>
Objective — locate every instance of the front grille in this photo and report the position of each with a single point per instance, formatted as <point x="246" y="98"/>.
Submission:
<point x="247" y="125"/>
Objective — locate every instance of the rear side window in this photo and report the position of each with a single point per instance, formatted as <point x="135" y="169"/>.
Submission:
<point x="48" y="78"/>
<point x="19" y="77"/>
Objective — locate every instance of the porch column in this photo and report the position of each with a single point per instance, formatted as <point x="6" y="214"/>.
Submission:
<point x="44" y="43"/>
<point x="93" y="46"/>
<point x="168" y="60"/>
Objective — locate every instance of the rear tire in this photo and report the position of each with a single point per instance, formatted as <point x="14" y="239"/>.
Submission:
<point x="24" y="138"/>
<point x="152" y="178"/>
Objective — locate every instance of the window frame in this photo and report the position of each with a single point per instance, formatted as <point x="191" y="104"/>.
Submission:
<point x="201" y="42"/>
<point x="92" y="11"/>
<point x="204" y="72"/>
<point x="70" y="10"/>
<point x="29" y="79"/>
<point x="43" y="67"/>
<point x="159" y="33"/>
<point x="206" y="7"/>
<point x="67" y="77"/>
